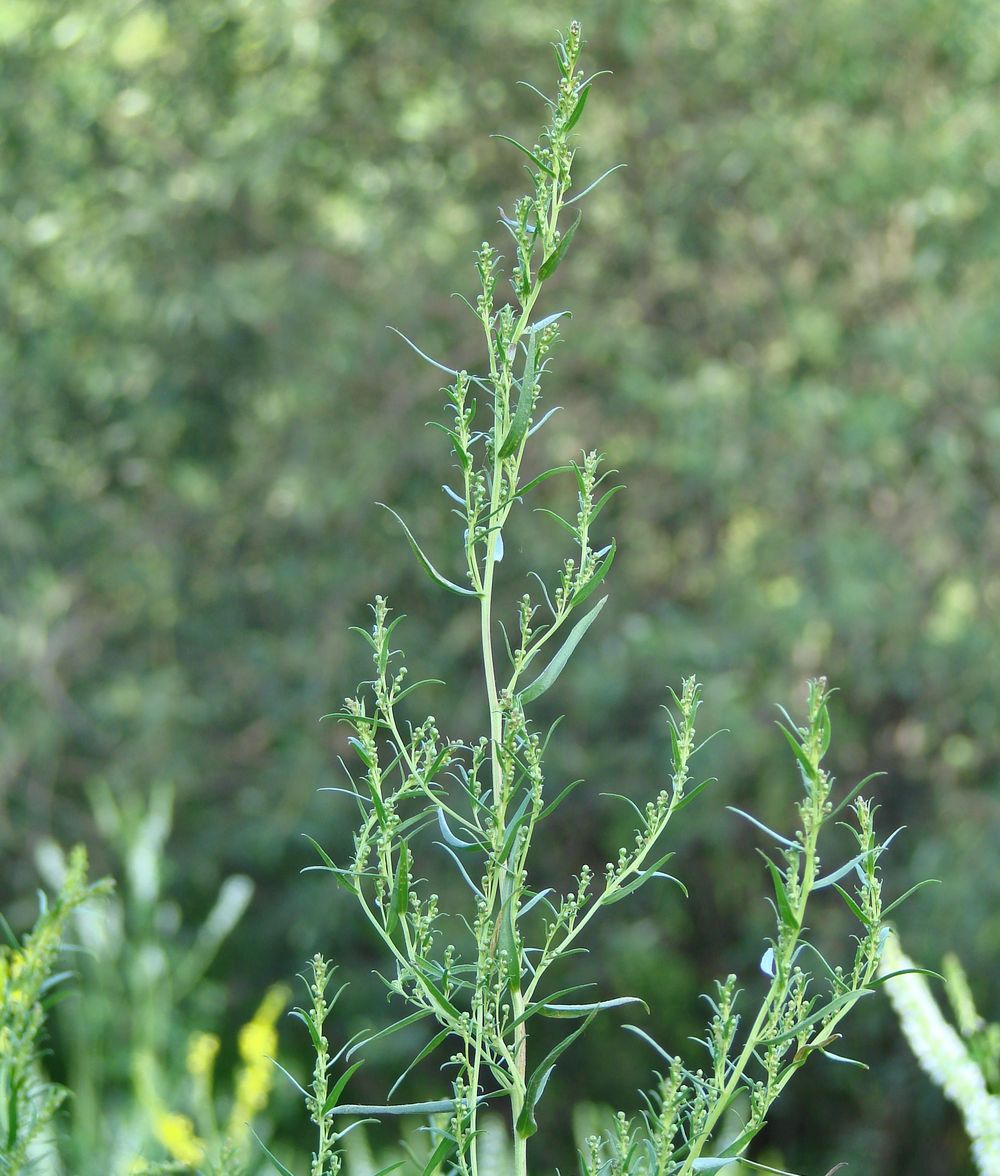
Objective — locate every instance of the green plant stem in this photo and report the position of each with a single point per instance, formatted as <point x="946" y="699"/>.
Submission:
<point x="776" y="993"/>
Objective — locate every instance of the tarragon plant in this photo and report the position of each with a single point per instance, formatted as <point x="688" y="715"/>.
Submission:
<point x="479" y="994"/>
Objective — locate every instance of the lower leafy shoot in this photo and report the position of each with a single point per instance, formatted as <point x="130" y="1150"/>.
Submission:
<point x="424" y="801"/>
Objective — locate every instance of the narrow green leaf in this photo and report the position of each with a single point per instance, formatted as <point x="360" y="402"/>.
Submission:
<point x="785" y="911"/>
<point x="552" y="262"/>
<point x="433" y="362"/>
<point x="535" y="90"/>
<point x="880" y="980"/>
<point x="563" y="469"/>
<point x="653" y="871"/>
<point x="846" y="868"/>
<point x="544" y="419"/>
<point x="603" y="501"/>
<point x="530" y="154"/>
<point x="418" y="1108"/>
<point x="428" y="567"/>
<point x="842" y="1061"/>
<point x="853" y="793"/>
<point x="451" y="839"/>
<point x="561" y="61"/>
<point x="377" y="801"/>
<point x="513" y="825"/>
<point x="395" y="1027"/>
<point x="688" y="796"/>
<point x="438" y="996"/>
<point x="400" y="889"/>
<point x="314" y="1033"/>
<point x="582" y="1010"/>
<point x="526" y="1125"/>
<point x="913" y="889"/>
<point x="640" y="815"/>
<point x="594" y="582"/>
<point x="555" y="667"/>
<point x="361" y="751"/>
<point x="536" y="1008"/>
<point x="806" y="764"/>
<point x="824" y="730"/>
<point x="548" y="321"/>
<point x="567" y="526"/>
<point x="763" y="828"/>
<point x="574" y="117"/>
<point x="416" y="686"/>
<point x="428" y="1049"/>
<point x="590" y="187"/>
<point x="279" y="1166"/>
<point x="461" y="869"/>
<point x="336" y="871"/>
<point x="446" y="1148"/>
<point x="554" y="804"/>
<point x="508" y="943"/>
<point x="525" y="403"/>
<point x="819" y="1015"/>
<point x="338" y="1088"/>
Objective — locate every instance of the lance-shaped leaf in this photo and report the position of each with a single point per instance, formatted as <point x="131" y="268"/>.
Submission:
<point x="530" y="154"/>
<point x="548" y="321"/>
<point x="574" y="117"/>
<point x="526" y="1124"/>
<point x="537" y="481"/>
<point x="338" y="1087"/>
<point x="880" y="980"/>
<point x="445" y="1149"/>
<point x="437" y="1107"/>
<point x="788" y="844"/>
<point x="525" y="403"/>
<point x="591" y="187"/>
<point x="395" y="1027"/>
<point x="449" y="836"/>
<point x="425" y="563"/>
<point x="593" y="583"/>
<point x="551" y="263"/>
<point x="846" y="998"/>
<point x="556" y="666"/>
<point x="809" y="770"/>
<point x="584" y="1010"/>
<point x="428" y="1049"/>
<point x="784" y="905"/>
<point x="853" y="793"/>
<point x="461" y="869"/>
<point x="400" y="889"/>
<point x="609" y="898"/>
<point x="423" y="355"/>
<point x="903" y="897"/>
<point x="278" y="1165"/>
<point x="341" y="875"/>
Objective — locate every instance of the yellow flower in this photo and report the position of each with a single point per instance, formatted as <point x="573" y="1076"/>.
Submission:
<point x="202" y="1048"/>
<point x="258" y="1039"/>
<point x="258" y="1043"/>
<point x="176" y="1133"/>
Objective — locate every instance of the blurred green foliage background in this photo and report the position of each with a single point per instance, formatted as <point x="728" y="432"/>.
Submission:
<point x="785" y="337"/>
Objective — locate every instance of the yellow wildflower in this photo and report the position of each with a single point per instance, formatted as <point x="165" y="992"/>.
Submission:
<point x="176" y="1133"/>
<point x="258" y="1043"/>
<point x="202" y="1048"/>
